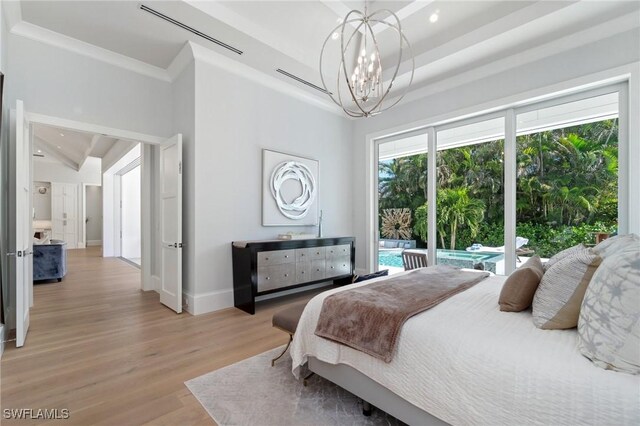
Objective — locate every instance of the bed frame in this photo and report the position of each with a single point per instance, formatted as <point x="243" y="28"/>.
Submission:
<point x="373" y="393"/>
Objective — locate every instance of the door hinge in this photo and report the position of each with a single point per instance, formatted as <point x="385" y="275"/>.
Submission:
<point x="180" y="167"/>
<point x="176" y="245"/>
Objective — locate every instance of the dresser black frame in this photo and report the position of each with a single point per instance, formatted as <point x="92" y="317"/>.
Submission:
<point x="245" y="267"/>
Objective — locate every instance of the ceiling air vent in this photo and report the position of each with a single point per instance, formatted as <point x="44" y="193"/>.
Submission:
<point x="190" y="29"/>
<point x="301" y="80"/>
<point x="38" y="155"/>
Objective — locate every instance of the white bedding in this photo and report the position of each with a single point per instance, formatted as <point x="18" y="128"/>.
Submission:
<point x="466" y="363"/>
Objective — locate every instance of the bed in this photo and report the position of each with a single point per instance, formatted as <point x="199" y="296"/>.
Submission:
<point x="466" y="362"/>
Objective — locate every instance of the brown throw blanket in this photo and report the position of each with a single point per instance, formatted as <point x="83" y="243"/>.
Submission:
<point x="369" y="318"/>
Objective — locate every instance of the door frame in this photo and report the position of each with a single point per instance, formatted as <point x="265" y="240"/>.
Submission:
<point x="149" y="281"/>
<point x="118" y="189"/>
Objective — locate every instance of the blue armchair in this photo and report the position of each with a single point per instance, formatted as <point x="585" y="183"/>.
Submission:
<point x="50" y="261"/>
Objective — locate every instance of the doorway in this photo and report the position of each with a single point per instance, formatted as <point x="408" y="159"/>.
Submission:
<point x="161" y="161"/>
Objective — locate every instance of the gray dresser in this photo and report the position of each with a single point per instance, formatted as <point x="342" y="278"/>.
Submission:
<point x="265" y="267"/>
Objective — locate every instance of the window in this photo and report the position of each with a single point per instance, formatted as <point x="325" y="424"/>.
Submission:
<point x="510" y="184"/>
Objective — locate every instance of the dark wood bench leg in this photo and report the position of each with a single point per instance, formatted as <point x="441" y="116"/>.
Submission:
<point x="273" y="361"/>
<point x="367" y="409"/>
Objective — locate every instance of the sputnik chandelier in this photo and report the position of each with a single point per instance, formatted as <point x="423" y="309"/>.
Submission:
<point x="364" y="78"/>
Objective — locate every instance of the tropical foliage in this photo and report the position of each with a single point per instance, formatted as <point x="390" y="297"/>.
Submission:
<point x="567" y="189"/>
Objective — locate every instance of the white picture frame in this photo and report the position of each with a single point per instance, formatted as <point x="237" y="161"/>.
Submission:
<point x="290" y="189"/>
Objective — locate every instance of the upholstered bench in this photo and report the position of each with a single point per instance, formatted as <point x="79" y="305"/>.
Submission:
<point x="287" y="320"/>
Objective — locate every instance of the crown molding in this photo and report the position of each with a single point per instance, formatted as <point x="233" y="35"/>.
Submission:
<point x="218" y="60"/>
<point x="52" y="38"/>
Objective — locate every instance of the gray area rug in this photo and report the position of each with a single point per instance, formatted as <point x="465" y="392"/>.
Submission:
<point x="251" y="392"/>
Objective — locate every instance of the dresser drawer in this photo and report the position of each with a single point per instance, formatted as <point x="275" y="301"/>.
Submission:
<point x="316" y="253"/>
<point x="276" y="276"/>
<point x="338" y="266"/>
<point x="276" y="257"/>
<point x="338" y="251"/>
<point x="310" y="271"/>
<point x="303" y="255"/>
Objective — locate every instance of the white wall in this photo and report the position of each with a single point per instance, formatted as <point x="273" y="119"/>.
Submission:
<point x="61" y="83"/>
<point x="235" y="119"/>
<point x="41" y="202"/>
<point x="54" y="171"/>
<point x="111" y="204"/>
<point x="131" y="226"/>
<point x="475" y="96"/>
<point x="184" y="119"/>
<point x="94" y="214"/>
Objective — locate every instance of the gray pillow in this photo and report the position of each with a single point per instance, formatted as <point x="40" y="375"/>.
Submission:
<point x="561" y="255"/>
<point x="609" y="325"/>
<point x="556" y="304"/>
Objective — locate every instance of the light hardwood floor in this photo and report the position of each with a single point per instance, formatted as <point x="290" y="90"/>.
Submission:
<point x="113" y="355"/>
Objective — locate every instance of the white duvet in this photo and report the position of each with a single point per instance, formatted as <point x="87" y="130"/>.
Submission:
<point x="467" y="363"/>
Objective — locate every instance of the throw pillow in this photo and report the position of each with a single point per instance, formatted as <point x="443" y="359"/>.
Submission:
<point x="617" y="244"/>
<point x="518" y="290"/>
<point x="609" y="325"/>
<point x="561" y="255"/>
<point x="556" y="304"/>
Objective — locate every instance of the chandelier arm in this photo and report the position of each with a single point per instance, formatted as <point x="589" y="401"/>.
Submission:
<point x="324" y="84"/>
<point x="375" y="43"/>
<point x="341" y="104"/>
<point x="413" y="65"/>
<point x="406" y="89"/>
<point x="343" y="49"/>
<point x="399" y="29"/>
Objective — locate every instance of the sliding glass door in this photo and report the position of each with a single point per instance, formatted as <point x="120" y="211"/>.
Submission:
<point x="470" y="195"/>
<point x="402" y="196"/>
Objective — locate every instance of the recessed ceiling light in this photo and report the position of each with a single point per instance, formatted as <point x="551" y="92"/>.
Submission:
<point x="339" y="20"/>
<point x="39" y="151"/>
<point x="335" y="36"/>
<point x="59" y="147"/>
<point x="61" y="134"/>
<point x="434" y="17"/>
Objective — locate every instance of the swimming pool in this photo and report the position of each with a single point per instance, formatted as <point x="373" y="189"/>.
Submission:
<point x="459" y="258"/>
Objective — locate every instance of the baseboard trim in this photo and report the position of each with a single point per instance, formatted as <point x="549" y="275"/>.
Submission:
<point x="91" y="243"/>
<point x="155" y="283"/>
<point x="81" y="245"/>
<point x="207" y="302"/>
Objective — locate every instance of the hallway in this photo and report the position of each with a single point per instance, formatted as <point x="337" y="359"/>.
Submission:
<point x="112" y="354"/>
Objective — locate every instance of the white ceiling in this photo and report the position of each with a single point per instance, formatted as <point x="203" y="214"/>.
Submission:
<point x="71" y="147"/>
<point x="289" y="34"/>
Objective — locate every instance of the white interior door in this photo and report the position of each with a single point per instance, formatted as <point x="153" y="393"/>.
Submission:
<point x="170" y="196"/>
<point x="22" y="250"/>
